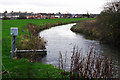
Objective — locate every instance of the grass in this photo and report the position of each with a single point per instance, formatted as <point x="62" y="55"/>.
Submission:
<point x="23" y="68"/>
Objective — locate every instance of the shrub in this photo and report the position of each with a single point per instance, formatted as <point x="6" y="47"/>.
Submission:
<point x="109" y="21"/>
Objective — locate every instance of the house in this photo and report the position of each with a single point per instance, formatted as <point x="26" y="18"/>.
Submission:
<point x="66" y="15"/>
<point x="31" y="15"/>
<point x="1" y="15"/>
<point x="76" y="15"/>
<point x="5" y="15"/>
<point x="26" y="15"/>
<point x="44" y="16"/>
<point x="15" y="15"/>
<point x="51" y="16"/>
<point x="57" y="15"/>
<point x="93" y="15"/>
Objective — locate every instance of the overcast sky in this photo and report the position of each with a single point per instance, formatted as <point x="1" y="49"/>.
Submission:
<point x="53" y="6"/>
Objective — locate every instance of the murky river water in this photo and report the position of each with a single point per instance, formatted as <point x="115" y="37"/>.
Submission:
<point x="61" y="38"/>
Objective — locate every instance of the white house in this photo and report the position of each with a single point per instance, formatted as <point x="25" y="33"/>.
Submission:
<point x="1" y="15"/>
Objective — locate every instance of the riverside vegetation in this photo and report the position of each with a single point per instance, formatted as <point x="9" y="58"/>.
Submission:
<point x="87" y="28"/>
<point x="105" y="28"/>
<point x="91" y="66"/>
<point x="28" y="39"/>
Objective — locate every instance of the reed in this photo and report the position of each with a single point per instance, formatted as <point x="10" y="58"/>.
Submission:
<point x="91" y="66"/>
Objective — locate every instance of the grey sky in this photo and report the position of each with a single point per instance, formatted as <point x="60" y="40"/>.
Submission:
<point x="53" y="6"/>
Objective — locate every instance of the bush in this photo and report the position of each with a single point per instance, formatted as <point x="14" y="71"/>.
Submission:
<point x="109" y="21"/>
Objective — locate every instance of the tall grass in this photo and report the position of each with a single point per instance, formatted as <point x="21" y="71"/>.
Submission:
<point x="91" y="66"/>
<point x="89" y="28"/>
<point x="31" y="41"/>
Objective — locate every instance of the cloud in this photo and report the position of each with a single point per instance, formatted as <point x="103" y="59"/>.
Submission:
<point x="9" y="2"/>
<point x="48" y="3"/>
<point x="73" y="6"/>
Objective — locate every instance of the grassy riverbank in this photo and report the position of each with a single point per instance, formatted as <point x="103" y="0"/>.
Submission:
<point x="88" y="29"/>
<point x="22" y="68"/>
<point x="105" y="29"/>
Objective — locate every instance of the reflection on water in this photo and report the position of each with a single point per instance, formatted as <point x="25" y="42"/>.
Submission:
<point x="61" y="38"/>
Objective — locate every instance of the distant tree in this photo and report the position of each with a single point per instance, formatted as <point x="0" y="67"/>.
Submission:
<point x="5" y="12"/>
<point x="113" y="6"/>
<point x="88" y="15"/>
<point x="59" y="13"/>
<point x="5" y="16"/>
<point x="83" y="15"/>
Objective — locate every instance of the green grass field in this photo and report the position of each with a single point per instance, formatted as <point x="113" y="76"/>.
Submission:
<point x="22" y="68"/>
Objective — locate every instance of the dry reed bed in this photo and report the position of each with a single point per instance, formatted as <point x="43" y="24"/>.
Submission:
<point x="91" y="66"/>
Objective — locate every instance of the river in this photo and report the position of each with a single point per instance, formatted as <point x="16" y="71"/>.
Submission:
<point x="61" y="38"/>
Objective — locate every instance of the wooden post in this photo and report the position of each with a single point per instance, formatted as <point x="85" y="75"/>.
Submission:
<point x="11" y="53"/>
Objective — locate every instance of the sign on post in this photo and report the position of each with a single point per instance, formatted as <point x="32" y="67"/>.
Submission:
<point x="14" y="33"/>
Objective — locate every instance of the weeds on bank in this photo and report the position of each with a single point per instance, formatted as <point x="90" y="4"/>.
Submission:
<point x="31" y="41"/>
<point x="91" y="66"/>
<point x="89" y="28"/>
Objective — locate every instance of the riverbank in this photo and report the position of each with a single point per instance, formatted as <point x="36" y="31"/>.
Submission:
<point x="22" y="68"/>
<point x="88" y="29"/>
<point x="94" y="30"/>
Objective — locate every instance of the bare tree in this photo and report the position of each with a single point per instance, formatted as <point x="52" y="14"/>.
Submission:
<point x="112" y="6"/>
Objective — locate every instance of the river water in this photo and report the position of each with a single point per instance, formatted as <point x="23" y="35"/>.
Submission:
<point x="61" y="38"/>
